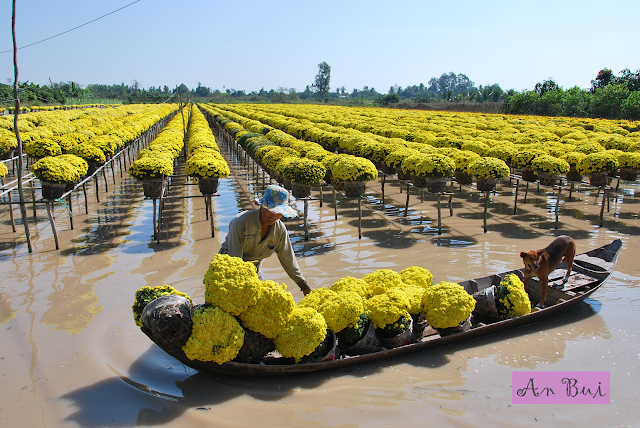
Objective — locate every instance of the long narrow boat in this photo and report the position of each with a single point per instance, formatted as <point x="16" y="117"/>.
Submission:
<point x="590" y="271"/>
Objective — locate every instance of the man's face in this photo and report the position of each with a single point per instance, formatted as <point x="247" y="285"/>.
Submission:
<point x="268" y="217"/>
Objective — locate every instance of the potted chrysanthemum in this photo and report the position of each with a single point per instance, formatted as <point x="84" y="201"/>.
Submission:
<point x="629" y="166"/>
<point x="462" y="159"/>
<point x="41" y="148"/>
<point x="598" y="166"/>
<point x="8" y="144"/>
<point x="354" y="172"/>
<point x="92" y="154"/>
<point x="487" y="171"/>
<point x="215" y="336"/>
<point x="435" y="168"/>
<point x="390" y="317"/>
<point x="54" y="175"/>
<point x="305" y="337"/>
<point x="573" y="159"/>
<point x="152" y="172"/>
<point x="448" y="307"/>
<point x="208" y="167"/>
<point x="511" y="298"/>
<point x="303" y="173"/>
<point x="523" y="160"/>
<point x="395" y="158"/>
<point x="549" y="168"/>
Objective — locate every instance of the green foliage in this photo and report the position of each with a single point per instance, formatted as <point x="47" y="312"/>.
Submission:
<point x="147" y="294"/>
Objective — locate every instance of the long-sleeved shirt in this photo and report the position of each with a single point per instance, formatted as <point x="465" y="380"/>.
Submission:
<point x="244" y="241"/>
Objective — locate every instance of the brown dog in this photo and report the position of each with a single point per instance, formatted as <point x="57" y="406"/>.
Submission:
<point x="543" y="262"/>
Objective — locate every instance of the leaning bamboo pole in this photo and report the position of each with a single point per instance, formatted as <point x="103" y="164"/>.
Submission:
<point x="23" y="209"/>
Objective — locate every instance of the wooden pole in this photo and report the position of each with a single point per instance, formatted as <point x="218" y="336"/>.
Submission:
<point x="558" y="205"/>
<point x="13" y="222"/>
<point x="439" y="216"/>
<point x="359" y="217"/>
<point x="53" y="225"/>
<point x="213" y="228"/>
<point x="604" y="195"/>
<point x="70" y="210"/>
<point x="23" y="209"/>
<point x="384" y="178"/>
<point x="406" y="206"/>
<point x="335" y="203"/>
<point x="486" y="208"/>
<point x="306" y="224"/>
<point x="515" y="199"/>
<point x="450" y="206"/>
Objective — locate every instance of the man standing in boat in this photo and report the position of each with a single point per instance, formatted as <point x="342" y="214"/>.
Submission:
<point x="256" y="234"/>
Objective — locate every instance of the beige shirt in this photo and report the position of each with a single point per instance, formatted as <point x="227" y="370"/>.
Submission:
<point x="244" y="240"/>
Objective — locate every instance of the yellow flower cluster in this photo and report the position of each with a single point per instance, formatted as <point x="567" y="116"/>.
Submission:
<point x="55" y="170"/>
<point x="205" y="160"/>
<point x="416" y="276"/>
<point x="271" y="312"/>
<point x="354" y="285"/>
<point x="304" y="331"/>
<point x="3" y="170"/>
<point x="388" y="307"/>
<point x="215" y="336"/>
<point x="340" y="310"/>
<point x="382" y="280"/>
<point x="511" y="297"/>
<point x="353" y="168"/>
<point x="597" y="162"/>
<point x="231" y="284"/>
<point x="550" y="164"/>
<point x="489" y="168"/>
<point x="447" y="304"/>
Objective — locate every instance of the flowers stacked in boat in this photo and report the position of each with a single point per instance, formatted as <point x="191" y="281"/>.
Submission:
<point x="384" y="304"/>
<point x="511" y="298"/>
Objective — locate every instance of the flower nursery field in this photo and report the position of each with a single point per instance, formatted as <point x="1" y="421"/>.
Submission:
<point x="73" y="355"/>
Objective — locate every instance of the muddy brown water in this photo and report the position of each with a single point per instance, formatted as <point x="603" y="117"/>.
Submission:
<point x="72" y="356"/>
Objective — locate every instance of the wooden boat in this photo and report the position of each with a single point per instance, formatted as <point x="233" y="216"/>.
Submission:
<point x="590" y="271"/>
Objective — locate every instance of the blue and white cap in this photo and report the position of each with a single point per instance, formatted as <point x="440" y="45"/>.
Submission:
<point x="276" y="199"/>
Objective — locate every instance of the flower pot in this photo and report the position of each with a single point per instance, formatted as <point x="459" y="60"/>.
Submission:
<point x="167" y="321"/>
<point x="599" y="179"/>
<point x="8" y="154"/>
<point x="93" y="165"/>
<point x="573" y="174"/>
<point x="299" y="190"/>
<point x="528" y="174"/>
<point x="368" y="344"/>
<point x="629" y="174"/>
<point x="402" y="175"/>
<point x="354" y="189"/>
<point x="336" y="184"/>
<point x="463" y="177"/>
<point x="70" y="186"/>
<point x="387" y="169"/>
<point x="460" y="328"/>
<point x="208" y="186"/>
<point x="404" y="338"/>
<point x="254" y="348"/>
<point x="53" y="191"/>
<point x="486" y="184"/>
<point x="420" y="182"/>
<point x="330" y="353"/>
<point x="419" y="325"/>
<point x="153" y="187"/>
<point x="547" y="179"/>
<point x="486" y="309"/>
<point x="436" y="184"/>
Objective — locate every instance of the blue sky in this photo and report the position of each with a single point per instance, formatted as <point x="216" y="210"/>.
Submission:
<point x="269" y="44"/>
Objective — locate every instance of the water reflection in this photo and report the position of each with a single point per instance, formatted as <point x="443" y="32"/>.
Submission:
<point x="7" y="313"/>
<point x="72" y="308"/>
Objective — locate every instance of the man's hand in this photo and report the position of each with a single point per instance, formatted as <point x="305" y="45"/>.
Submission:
<point x="306" y="291"/>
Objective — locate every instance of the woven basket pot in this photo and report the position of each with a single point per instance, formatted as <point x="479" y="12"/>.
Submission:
<point x="152" y="187"/>
<point x="463" y="177"/>
<point x="53" y="191"/>
<point x="629" y="174"/>
<point x="599" y="179"/>
<point x="528" y="174"/>
<point x="208" y="186"/>
<point x="573" y="174"/>
<point x="299" y="190"/>
<point x="436" y="184"/>
<point x="547" y="179"/>
<point x="354" y="189"/>
<point x="486" y="184"/>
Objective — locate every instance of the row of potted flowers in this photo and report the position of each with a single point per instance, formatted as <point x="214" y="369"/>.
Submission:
<point x="154" y="165"/>
<point x="245" y="318"/>
<point x="205" y="162"/>
<point x="548" y="168"/>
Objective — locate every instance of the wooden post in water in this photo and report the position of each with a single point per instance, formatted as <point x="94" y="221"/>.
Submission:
<point x="406" y="206"/>
<point x="486" y="208"/>
<point x="335" y="203"/>
<point x="53" y="224"/>
<point x="450" y="206"/>
<point x="70" y="210"/>
<point x="13" y="222"/>
<point x="306" y="224"/>
<point x="515" y="199"/>
<point x="321" y="197"/>
<point x="210" y="213"/>
<point x="86" y="203"/>
<point x="359" y="217"/>
<point x="23" y="209"/>
<point x="384" y="178"/>
<point x="558" y="206"/>
<point x="604" y="195"/>
<point x="439" y="216"/>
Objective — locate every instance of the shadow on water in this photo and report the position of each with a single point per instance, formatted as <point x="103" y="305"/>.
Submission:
<point x="139" y="404"/>
<point x="575" y="234"/>
<point x="415" y="221"/>
<point x="370" y="223"/>
<point x="390" y="239"/>
<point x="513" y="231"/>
<point x="454" y="241"/>
<point x="474" y="216"/>
<point x="431" y="230"/>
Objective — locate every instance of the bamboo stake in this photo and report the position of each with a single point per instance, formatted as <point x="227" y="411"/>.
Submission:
<point x="515" y="199"/>
<point x="13" y="222"/>
<point x="486" y="207"/>
<point x="306" y="222"/>
<point x="53" y="225"/>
